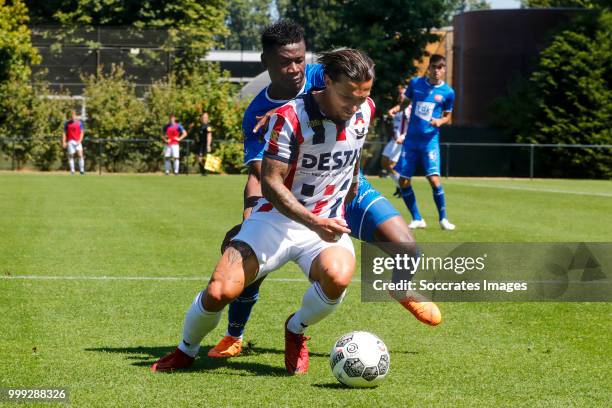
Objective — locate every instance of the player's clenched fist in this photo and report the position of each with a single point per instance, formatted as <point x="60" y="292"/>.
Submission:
<point x="330" y="229"/>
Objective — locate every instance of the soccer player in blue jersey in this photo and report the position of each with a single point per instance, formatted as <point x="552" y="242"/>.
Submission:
<point x="432" y="104"/>
<point x="370" y="216"/>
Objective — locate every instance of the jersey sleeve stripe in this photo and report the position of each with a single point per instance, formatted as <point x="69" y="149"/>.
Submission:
<point x="288" y="112"/>
<point x="372" y="108"/>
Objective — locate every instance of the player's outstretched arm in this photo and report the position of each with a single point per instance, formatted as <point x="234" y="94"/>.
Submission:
<point x="275" y="191"/>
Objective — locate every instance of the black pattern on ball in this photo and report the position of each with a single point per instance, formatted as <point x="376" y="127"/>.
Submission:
<point x="383" y="364"/>
<point x="353" y="367"/>
<point x="339" y="356"/>
<point x="352" y="348"/>
<point x="344" y="339"/>
<point x="370" y="373"/>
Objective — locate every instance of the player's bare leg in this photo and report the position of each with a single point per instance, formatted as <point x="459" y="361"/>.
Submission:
<point x="237" y="267"/>
<point x="398" y="238"/>
<point x="230" y="346"/>
<point x="440" y="200"/>
<point x="331" y="273"/>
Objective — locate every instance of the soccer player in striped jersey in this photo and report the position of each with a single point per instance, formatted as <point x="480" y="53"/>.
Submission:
<point x="310" y="165"/>
<point x="72" y="139"/>
<point x="370" y="216"/>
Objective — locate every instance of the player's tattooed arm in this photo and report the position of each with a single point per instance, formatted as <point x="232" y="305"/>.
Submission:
<point x="274" y="190"/>
<point x="273" y="173"/>
<point x="352" y="193"/>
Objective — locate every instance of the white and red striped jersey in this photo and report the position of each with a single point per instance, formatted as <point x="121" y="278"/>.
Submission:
<point x="322" y="153"/>
<point x="400" y="123"/>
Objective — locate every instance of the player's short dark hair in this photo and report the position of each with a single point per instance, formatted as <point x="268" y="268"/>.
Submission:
<point x="354" y="64"/>
<point x="437" y="58"/>
<point x="281" y="33"/>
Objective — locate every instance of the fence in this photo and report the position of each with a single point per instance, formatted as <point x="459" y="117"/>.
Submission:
<point x="101" y="155"/>
<point x="458" y="159"/>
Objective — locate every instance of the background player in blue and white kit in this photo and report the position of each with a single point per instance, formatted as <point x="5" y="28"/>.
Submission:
<point x="432" y="103"/>
<point x="370" y="216"/>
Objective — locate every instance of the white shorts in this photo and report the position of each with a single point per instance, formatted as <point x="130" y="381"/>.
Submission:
<point x="172" y="151"/>
<point x="74" y="146"/>
<point x="276" y="240"/>
<point x="392" y="151"/>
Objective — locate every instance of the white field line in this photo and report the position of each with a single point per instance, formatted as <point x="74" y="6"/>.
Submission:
<point x="137" y="278"/>
<point x="534" y="189"/>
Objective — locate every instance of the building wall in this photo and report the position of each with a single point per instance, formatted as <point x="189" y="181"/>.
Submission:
<point x="493" y="47"/>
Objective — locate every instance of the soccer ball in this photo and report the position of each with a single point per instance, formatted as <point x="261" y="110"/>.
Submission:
<point x="359" y="359"/>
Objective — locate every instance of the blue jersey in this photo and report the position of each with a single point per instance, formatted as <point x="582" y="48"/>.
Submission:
<point x="254" y="142"/>
<point x="428" y="102"/>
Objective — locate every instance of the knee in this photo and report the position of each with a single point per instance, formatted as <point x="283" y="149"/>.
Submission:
<point x="219" y="294"/>
<point x="338" y="274"/>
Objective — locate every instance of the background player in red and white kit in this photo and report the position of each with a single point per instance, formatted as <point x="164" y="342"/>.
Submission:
<point x="173" y="133"/>
<point x="72" y="139"/>
<point x="311" y="162"/>
<point x="393" y="149"/>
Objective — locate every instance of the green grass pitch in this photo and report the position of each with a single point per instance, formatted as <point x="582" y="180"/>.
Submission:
<point x="87" y="317"/>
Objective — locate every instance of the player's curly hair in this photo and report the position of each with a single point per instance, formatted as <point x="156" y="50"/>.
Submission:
<point x="354" y="64"/>
<point x="281" y="33"/>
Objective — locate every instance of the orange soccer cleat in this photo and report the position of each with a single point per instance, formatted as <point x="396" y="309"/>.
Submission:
<point x="229" y="346"/>
<point x="422" y="308"/>
<point x="177" y="360"/>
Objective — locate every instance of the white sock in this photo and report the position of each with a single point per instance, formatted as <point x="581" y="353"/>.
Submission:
<point x="176" y="166"/>
<point x="198" y="323"/>
<point x="71" y="162"/>
<point x="167" y="165"/>
<point x="81" y="164"/>
<point x="395" y="177"/>
<point x="315" y="307"/>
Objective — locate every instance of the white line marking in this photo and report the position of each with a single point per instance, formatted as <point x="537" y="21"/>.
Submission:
<point x="137" y="278"/>
<point x="534" y="189"/>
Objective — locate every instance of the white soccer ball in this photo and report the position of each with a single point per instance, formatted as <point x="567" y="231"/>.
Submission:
<point x="359" y="359"/>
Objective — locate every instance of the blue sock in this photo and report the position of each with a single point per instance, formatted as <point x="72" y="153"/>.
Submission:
<point x="410" y="200"/>
<point x="240" y="309"/>
<point x="438" y="196"/>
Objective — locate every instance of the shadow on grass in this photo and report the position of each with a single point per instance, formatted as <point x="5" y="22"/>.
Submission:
<point x="251" y="349"/>
<point x="143" y="356"/>
<point x="338" y="386"/>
